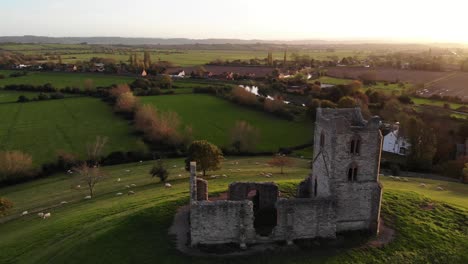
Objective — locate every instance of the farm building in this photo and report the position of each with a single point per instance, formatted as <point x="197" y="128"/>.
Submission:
<point x="342" y="193"/>
<point x="395" y="143"/>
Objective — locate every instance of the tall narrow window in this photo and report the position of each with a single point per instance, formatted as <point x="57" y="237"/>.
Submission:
<point x="355" y="145"/>
<point x="322" y="140"/>
<point x="315" y="187"/>
<point x="352" y="173"/>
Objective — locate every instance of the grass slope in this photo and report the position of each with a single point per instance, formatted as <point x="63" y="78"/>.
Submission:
<point x="133" y="229"/>
<point x="212" y="118"/>
<point x="62" y="80"/>
<point x="42" y="128"/>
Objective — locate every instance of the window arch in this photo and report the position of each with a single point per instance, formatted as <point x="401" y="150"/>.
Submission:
<point x="352" y="172"/>
<point x="355" y="145"/>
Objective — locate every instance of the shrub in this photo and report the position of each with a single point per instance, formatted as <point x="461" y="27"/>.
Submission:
<point x="5" y="205"/>
<point x="241" y="96"/>
<point x="15" y="166"/>
<point x="160" y="171"/>
<point x="22" y="99"/>
<point x="126" y="103"/>
<point x="347" y="102"/>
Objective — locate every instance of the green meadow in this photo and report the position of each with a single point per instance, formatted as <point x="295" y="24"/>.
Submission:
<point x="134" y="228"/>
<point x="42" y="128"/>
<point x="212" y="118"/>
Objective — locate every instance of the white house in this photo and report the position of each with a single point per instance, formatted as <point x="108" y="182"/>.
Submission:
<point x="178" y="74"/>
<point x="394" y="143"/>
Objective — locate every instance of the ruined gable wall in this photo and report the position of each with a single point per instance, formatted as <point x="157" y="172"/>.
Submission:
<point x="221" y="222"/>
<point x="305" y="218"/>
<point x="268" y="192"/>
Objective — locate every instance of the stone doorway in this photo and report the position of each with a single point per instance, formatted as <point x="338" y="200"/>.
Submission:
<point x="265" y="219"/>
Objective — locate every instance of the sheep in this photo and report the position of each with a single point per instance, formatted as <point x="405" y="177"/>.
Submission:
<point x="224" y="175"/>
<point x="180" y="175"/>
<point x="127" y="170"/>
<point x="41" y="215"/>
<point x="175" y="166"/>
<point x="46" y="216"/>
<point x="391" y="177"/>
<point x="24" y="213"/>
<point x="119" y="194"/>
<point x="63" y="202"/>
<point x="118" y="180"/>
<point x="133" y="185"/>
<point x="422" y="185"/>
<point x="405" y="179"/>
<point x="397" y="178"/>
<point x="131" y="192"/>
<point x="439" y="188"/>
<point x="257" y="163"/>
<point x="214" y="176"/>
<point x="127" y="186"/>
<point x="78" y="186"/>
<point x="168" y="185"/>
<point x="141" y="161"/>
<point x="88" y="197"/>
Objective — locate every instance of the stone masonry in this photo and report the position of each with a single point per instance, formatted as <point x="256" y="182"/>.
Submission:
<point x="342" y="193"/>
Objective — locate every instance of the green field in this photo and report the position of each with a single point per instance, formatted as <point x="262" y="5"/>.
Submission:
<point x="134" y="229"/>
<point x="42" y="128"/>
<point x="62" y="80"/>
<point x="424" y="101"/>
<point x="181" y="57"/>
<point x="212" y="118"/>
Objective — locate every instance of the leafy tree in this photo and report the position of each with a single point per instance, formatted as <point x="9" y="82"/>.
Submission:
<point x="5" y="205"/>
<point x="281" y="161"/>
<point x="423" y="143"/>
<point x="159" y="170"/>
<point x="347" y="102"/>
<point x="207" y="155"/>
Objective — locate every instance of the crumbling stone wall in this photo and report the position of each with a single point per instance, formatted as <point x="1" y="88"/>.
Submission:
<point x="221" y="222"/>
<point x="268" y="192"/>
<point x="305" y="218"/>
<point x="202" y="190"/>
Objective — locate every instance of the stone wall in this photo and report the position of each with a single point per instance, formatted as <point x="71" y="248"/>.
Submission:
<point x="267" y="191"/>
<point x="305" y="218"/>
<point x="221" y="222"/>
<point x="202" y="190"/>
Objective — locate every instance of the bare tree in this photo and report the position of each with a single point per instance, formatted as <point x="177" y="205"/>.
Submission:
<point x="94" y="150"/>
<point x="90" y="175"/>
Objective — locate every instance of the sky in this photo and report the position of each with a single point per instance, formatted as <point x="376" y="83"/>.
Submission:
<point x="395" y="20"/>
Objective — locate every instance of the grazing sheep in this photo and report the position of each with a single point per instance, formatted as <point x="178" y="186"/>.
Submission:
<point x="127" y="170"/>
<point x="88" y="197"/>
<point x="78" y="186"/>
<point x="141" y="161"/>
<point x="46" y="216"/>
<point x="63" y="202"/>
<point x="180" y="175"/>
<point x="238" y="169"/>
<point x="405" y="179"/>
<point x="175" y="166"/>
<point x="422" y="185"/>
<point x="133" y="185"/>
<point x="41" y="215"/>
<point x="119" y="194"/>
<point x="168" y="185"/>
<point x="268" y="176"/>
<point x="391" y="177"/>
<point x="118" y="180"/>
<point x="127" y="186"/>
<point x="214" y="176"/>
<point x="397" y="178"/>
<point x="439" y="188"/>
<point x="25" y="213"/>
<point x="131" y="192"/>
<point x="224" y="175"/>
<point x="257" y="163"/>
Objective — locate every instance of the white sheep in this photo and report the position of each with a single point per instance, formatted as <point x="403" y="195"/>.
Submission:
<point x="422" y="185"/>
<point x="391" y="177"/>
<point x="78" y="186"/>
<point x="175" y="166"/>
<point x="46" y="216"/>
<point x="127" y="170"/>
<point x="141" y="161"/>
<point x="405" y="179"/>
<point x="87" y="197"/>
<point x="180" y="175"/>
<point x="439" y="188"/>
<point x="168" y="185"/>
<point x="41" y="215"/>
<point x="127" y="186"/>
<point x="119" y="194"/>
<point x="63" y="202"/>
<point x="397" y="178"/>
<point x="131" y="192"/>
<point x="118" y="180"/>
<point x="224" y="175"/>
<point x="133" y="185"/>
<point x="24" y="213"/>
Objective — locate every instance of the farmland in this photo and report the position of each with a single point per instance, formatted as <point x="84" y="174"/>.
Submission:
<point x="62" y="80"/>
<point x="212" y="118"/>
<point x="103" y="228"/>
<point x="43" y="128"/>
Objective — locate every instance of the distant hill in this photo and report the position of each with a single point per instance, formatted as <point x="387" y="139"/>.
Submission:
<point x="145" y="41"/>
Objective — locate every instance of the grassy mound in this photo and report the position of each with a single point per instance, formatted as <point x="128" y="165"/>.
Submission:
<point x="134" y="228"/>
<point x="212" y="118"/>
<point x="42" y="128"/>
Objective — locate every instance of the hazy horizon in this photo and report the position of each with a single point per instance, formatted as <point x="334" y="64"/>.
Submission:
<point x="361" y="20"/>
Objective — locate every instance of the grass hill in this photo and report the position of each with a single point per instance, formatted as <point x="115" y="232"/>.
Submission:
<point x="212" y="118"/>
<point x="42" y="128"/>
<point x="134" y="228"/>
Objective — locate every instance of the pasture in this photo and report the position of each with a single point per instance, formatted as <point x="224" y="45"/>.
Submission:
<point x="42" y="128"/>
<point x="134" y="228"/>
<point x="62" y="80"/>
<point x="212" y="118"/>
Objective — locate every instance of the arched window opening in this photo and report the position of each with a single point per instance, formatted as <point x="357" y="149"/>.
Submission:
<point x="322" y="140"/>
<point x="355" y="146"/>
<point x="352" y="173"/>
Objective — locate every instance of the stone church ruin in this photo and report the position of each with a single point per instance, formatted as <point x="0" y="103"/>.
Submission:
<point x="342" y="193"/>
